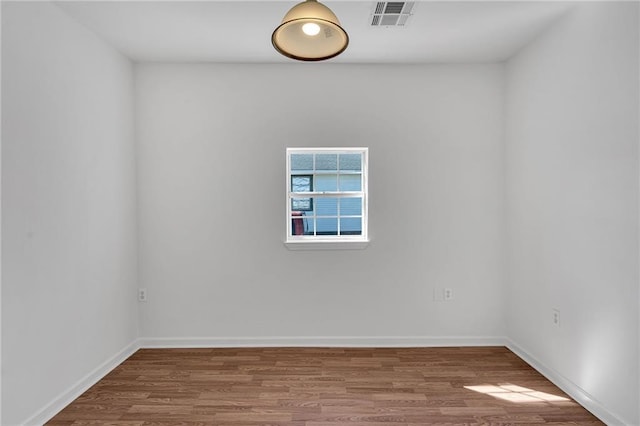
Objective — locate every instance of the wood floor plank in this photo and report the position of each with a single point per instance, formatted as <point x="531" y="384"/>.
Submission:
<point x="324" y="387"/>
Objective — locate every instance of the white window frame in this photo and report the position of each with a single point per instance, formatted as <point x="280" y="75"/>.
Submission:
<point x="314" y="242"/>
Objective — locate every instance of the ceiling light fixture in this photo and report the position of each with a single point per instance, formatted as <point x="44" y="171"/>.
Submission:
<point x="310" y="31"/>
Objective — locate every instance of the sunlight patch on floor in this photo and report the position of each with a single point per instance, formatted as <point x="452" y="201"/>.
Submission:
<point x="517" y="394"/>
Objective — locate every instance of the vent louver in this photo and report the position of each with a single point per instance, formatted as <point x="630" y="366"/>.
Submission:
<point x="391" y="13"/>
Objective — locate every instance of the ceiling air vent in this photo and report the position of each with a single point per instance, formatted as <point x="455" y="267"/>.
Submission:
<point x="391" y="13"/>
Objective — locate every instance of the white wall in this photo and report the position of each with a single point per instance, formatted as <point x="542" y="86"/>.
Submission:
<point x="0" y="239"/>
<point x="212" y="142"/>
<point x="572" y="203"/>
<point x="68" y="200"/>
<point x="212" y="256"/>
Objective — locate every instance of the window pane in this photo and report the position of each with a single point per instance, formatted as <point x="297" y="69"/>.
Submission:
<point x="301" y="204"/>
<point x="326" y="162"/>
<point x="301" y="183"/>
<point x="351" y="226"/>
<point x="301" y="225"/>
<point x="351" y="162"/>
<point x="302" y="162"/>
<point x="326" y="206"/>
<point x="350" y="183"/>
<point x="309" y="226"/>
<point x="351" y="207"/>
<point x="327" y="226"/>
<point x="326" y="182"/>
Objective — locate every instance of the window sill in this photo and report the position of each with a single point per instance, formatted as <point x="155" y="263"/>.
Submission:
<point x="327" y="245"/>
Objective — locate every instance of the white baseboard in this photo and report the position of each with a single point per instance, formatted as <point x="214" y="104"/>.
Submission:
<point x="570" y="388"/>
<point x="55" y="406"/>
<point x="320" y="341"/>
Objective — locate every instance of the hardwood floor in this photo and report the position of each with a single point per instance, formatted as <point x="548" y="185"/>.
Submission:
<point x="324" y="387"/>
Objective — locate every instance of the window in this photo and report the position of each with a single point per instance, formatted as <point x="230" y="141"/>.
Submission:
<point x="327" y="197"/>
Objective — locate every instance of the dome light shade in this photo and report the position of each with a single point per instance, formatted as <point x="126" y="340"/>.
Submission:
<point x="294" y="39"/>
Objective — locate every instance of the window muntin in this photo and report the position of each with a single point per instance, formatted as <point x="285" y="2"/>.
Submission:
<point x="327" y="194"/>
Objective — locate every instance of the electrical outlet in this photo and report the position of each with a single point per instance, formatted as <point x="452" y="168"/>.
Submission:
<point x="142" y="295"/>
<point x="555" y="317"/>
<point x="442" y="294"/>
<point x="447" y="294"/>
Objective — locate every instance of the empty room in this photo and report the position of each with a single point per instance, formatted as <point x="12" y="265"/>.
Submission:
<point x="320" y="213"/>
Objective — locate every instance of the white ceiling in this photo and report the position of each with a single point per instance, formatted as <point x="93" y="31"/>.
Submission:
<point x="240" y="31"/>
